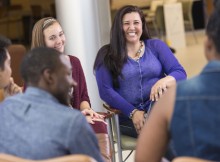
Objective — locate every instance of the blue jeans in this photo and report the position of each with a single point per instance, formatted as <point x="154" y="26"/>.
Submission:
<point x="127" y="128"/>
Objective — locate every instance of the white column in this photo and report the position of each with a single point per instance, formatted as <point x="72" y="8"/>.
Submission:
<point x="86" y="24"/>
<point x="174" y="24"/>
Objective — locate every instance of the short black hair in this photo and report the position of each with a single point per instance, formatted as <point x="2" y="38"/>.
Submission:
<point x="36" y="61"/>
<point x="213" y="29"/>
<point x="4" y="43"/>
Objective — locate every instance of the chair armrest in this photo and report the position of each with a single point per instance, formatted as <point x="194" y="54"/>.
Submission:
<point x="111" y="109"/>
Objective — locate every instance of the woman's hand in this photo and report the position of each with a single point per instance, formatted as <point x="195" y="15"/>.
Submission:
<point x="138" y="120"/>
<point x="90" y="112"/>
<point x="160" y="87"/>
<point x="92" y="120"/>
<point x="12" y="89"/>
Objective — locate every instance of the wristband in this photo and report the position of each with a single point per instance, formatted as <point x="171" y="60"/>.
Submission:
<point x="132" y="113"/>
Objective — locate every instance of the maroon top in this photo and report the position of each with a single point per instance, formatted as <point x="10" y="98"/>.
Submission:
<point x="80" y="92"/>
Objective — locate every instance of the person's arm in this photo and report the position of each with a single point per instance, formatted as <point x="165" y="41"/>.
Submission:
<point x="153" y="140"/>
<point x="87" y="110"/>
<point x="84" y="105"/>
<point x="108" y="94"/>
<point x="172" y="69"/>
<point x="84" y="97"/>
<point x="84" y="102"/>
<point x="111" y="97"/>
<point x="161" y="86"/>
<point x="169" y="62"/>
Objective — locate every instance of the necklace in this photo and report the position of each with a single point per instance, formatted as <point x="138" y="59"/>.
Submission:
<point x="138" y="53"/>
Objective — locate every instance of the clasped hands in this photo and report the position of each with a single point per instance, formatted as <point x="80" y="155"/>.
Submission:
<point x="92" y="116"/>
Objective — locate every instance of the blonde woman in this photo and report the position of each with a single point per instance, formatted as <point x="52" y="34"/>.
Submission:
<point x="47" y="32"/>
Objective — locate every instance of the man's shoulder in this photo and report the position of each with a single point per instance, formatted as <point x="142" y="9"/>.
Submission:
<point x="12" y="99"/>
<point x="41" y="105"/>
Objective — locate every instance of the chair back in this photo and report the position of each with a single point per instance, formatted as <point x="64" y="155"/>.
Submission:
<point x="187" y="10"/>
<point x="17" y="52"/>
<point x="159" y="18"/>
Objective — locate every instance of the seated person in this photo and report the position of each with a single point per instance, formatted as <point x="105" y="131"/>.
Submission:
<point x="39" y="124"/>
<point x="134" y="70"/>
<point x="47" y="32"/>
<point x="188" y="114"/>
<point x="7" y="85"/>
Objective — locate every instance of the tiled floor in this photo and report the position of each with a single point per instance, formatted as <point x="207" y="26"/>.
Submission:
<point x="192" y="58"/>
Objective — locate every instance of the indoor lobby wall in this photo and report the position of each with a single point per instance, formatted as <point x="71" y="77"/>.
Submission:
<point x="45" y="4"/>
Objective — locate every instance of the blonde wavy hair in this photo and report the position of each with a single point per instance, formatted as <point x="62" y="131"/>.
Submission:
<point x="37" y="39"/>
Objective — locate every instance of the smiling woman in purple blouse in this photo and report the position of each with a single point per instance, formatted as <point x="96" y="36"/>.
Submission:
<point x="134" y="70"/>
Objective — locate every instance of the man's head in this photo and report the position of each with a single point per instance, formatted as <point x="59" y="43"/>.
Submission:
<point x="5" y="62"/>
<point x="48" y="69"/>
<point x="212" y="44"/>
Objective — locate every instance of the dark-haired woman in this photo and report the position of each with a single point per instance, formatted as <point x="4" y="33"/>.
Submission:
<point x="134" y="70"/>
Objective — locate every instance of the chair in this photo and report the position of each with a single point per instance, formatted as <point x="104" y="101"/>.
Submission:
<point x="189" y="159"/>
<point x="159" y="21"/>
<point x="187" y="6"/>
<point x="123" y="142"/>
<point x="151" y="12"/>
<point x="17" y="52"/>
<point x="67" y="158"/>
